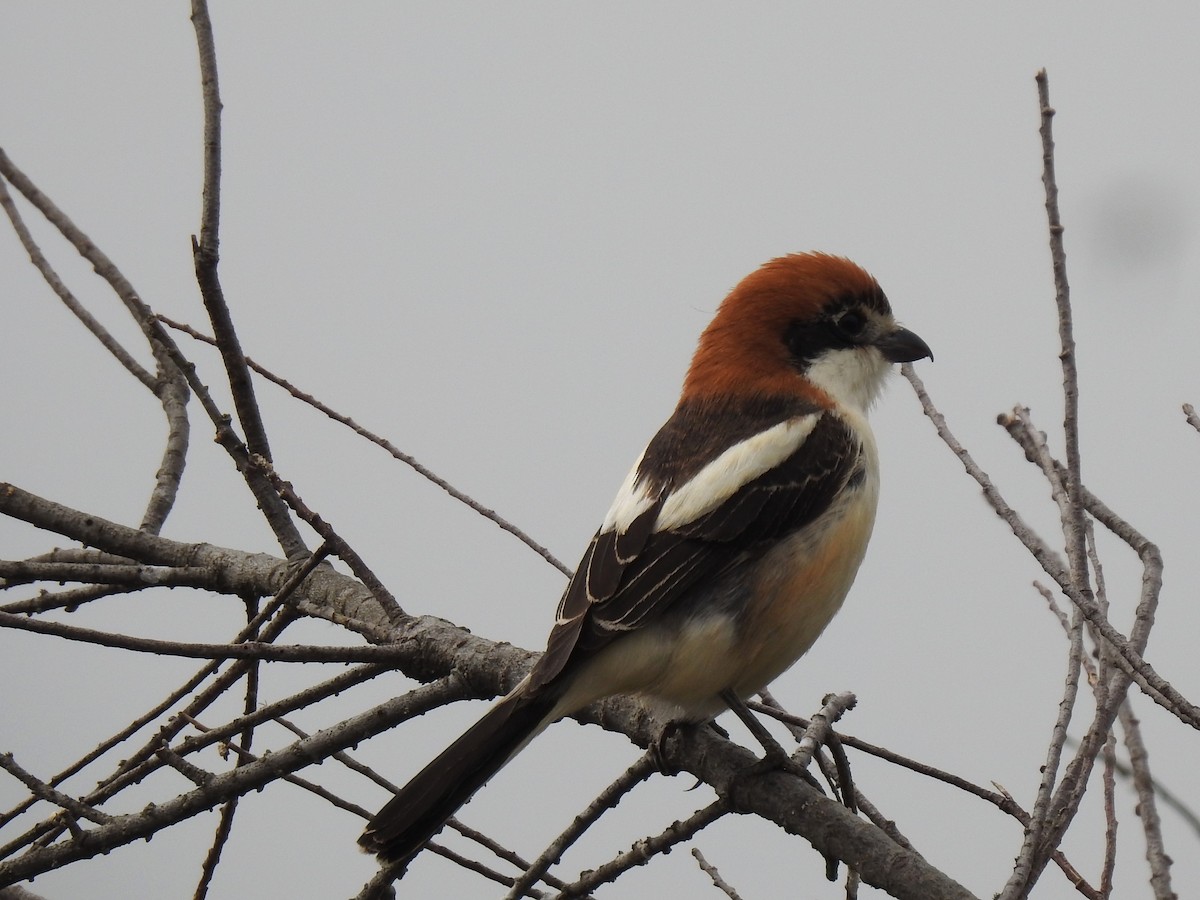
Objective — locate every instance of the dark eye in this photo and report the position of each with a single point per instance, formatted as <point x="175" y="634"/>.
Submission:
<point x="850" y="324"/>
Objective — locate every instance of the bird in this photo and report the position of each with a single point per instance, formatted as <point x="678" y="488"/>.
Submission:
<point x="731" y="543"/>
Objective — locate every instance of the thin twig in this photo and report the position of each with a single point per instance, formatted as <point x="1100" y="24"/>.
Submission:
<point x="206" y="249"/>
<point x="106" y="269"/>
<point x="70" y="600"/>
<point x="1026" y="867"/>
<point x="1108" y="778"/>
<point x="139" y="763"/>
<point x="1162" y="692"/>
<point x="1143" y="784"/>
<point x="195" y="743"/>
<point x="1072" y="516"/>
<point x="241" y="745"/>
<point x="274" y="510"/>
<point x="273" y="712"/>
<point x="51" y="277"/>
<point x="797" y="725"/>
<point x="248" y="650"/>
<point x="43" y="791"/>
<point x="398" y="454"/>
<point x="339" y="546"/>
<point x="480" y="869"/>
<point x="212" y="858"/>
<point x="1189" y="412"/>
<point x="1076" y="879"/>
<point x="1111" y="682"/>
<point x="245" y="757"/>
<point x="998" y="800"/>
<point x="646" y="849"/>
<point x="820" y="725"/>
<point x="607" y="799"/>
<point x="237" y="782"/>
<point x="1002" y="800"/>
<point x="173" y="394"/>
<point x="118" y="738"/>
<point x="499" y="850"/>
<point x="1122" y="651"/>
<point x="354" y="765"/>
<point x="168" y="386"/>
<point x="17" y="572"/>
<point x="711" y="871"/>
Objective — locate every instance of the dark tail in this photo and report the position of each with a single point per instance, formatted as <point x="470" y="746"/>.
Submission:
<point x="421" y="808"/>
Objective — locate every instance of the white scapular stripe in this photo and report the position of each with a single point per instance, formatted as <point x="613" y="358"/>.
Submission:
<point x="629" y="503"/>
<point x="716" y="482"/>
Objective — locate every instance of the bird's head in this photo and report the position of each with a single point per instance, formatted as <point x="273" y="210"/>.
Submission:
<point x="806" y="323"/>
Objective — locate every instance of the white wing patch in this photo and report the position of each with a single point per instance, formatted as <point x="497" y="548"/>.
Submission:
<point x="716" y="482"/>
<point x="733" y="469"/>
<point x="629" y="503"/>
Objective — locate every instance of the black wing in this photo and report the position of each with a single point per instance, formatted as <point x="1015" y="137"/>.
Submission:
<point x="627" y="579"/>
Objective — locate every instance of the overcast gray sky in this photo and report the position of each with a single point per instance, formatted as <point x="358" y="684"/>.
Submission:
<point x="493" y="233"/>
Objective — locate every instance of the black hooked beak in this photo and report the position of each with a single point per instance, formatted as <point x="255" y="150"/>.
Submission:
<point x="901" y="345"/>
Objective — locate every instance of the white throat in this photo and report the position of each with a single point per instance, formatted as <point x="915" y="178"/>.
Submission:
<point x="852" y="376"/>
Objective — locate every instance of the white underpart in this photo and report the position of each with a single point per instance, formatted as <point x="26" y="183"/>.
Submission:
<point x="852" y="376"/>
<point x="716" y="482"/>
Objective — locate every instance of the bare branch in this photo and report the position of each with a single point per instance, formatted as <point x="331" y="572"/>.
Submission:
<point x="339" y="546"/>
<point x="1192" y="419"/>
<point x="379" y="887"/>
<point x="164" y="349"/>
<point x="43" y="791"/>
<point x="235" y="783"/>
<point x="1073" y="510"/>
<point x="711" y="871"/>
<point x="90" y="322"/>
<point x="168" y="385"/>
<point x="173" y="393"/>
<point x="206" y="250"/>
<point x="207" y="738"/>
<point x="1110" y="818"/>
<point x="1026" y="867"/>
<point x="819" y="727"/>
<point x="231" y="571"/>
<point x="273" y="712"/>
<point x="210" y="217"/>
<point x="22" y="572"/>
<point x="70" y="600"/>
<point x="646" y="849"/>
<point x="1152" y="565"/>
<point x="502" y="852"/>
<point x="797" y="726"/>
<point x="607" y="799"/>
<point x="798" y="808"/>
<point x="1162" y="691"/>
<point x="1139" y="761"/>
<point x="213" y="857"/>
<point x="1000" y="801"/>
<point x="397" y="453"/>
<point x="245" y="756"/>
<point x="138" y="764"/>
<point x="250" y="650"/>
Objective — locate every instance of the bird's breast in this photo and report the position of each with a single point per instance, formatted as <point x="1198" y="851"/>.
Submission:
<point x="799" y="585"/>
<point x="743" y="633"/>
